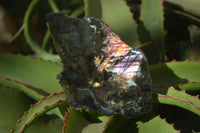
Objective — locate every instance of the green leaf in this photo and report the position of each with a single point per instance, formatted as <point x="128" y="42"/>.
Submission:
<point x="194" y="32"/>
<point x="93" y="8"/>
<point x="186" y="70"/>
<point x="46" y="39"/>
<point x="178" y="98"/>
<point x="27" y="33"/>
<point x="17" y="85"/>
<point x="152" y="18"/>
<point x="155" y="125"/>
<point x="53" y="5"/>
<point x="180" y="95"/>
<point x="13" y="103"/>
<point x="174" y="73"/>
<point x="27" y="90"/>
<point x="38" y="109"/>
<point x="192" y="87"/>
<point x="117" y="124"/>
<point x="46" y="124"/>
<point x="188" y="6"/>
<point x="95" y="127"/>
<point x="74" y="122"/>
<point x="185" y="10"/>
<point x="171" y="100"/>
<point x="118" y="16"/>
<point x="31" y="71"/>
<point x="77" y="12"/>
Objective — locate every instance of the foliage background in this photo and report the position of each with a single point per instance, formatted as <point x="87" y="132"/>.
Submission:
<point x="167" y="31"/>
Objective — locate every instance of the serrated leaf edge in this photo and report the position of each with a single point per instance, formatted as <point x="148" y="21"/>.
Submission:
<point x="27" y="123"/>
<point x="177" y="99"/>
<point x="28" y="88"/>
<point x="108" y="121"/>
<point x="65" y="120"/>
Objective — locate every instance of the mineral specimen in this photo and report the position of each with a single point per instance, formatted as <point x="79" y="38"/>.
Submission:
<point x="100" y="72"/>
